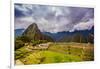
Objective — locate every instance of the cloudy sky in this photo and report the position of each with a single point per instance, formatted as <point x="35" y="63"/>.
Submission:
<point x="54" y="18"/>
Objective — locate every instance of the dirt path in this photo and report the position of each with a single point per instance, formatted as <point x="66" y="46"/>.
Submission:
<point x="18" y="62"/>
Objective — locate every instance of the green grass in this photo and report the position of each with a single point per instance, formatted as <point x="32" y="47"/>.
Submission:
<point x="56" y="53"/>
<point x="65" y="49"/>
<point x="58" y="57"/>
<point x="20" y="53"/>
<point x="49" y="57"/>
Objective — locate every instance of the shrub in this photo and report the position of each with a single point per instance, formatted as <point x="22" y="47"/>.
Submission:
<point x="35" y="42"/>
<point x="18" y="44"/>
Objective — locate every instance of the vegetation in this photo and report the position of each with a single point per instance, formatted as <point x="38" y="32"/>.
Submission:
<point x="18" y="44"/>
<point x="20" y="41"/>
<point x="34" y="42"/>
<point x="56" y="53"/>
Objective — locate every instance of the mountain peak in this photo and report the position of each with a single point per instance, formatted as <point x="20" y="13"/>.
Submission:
<point x="32" y="30"/>
<point x="34" y="33"/>
<point x="33" y="26"/>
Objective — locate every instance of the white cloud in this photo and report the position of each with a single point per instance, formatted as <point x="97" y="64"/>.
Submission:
<point x="21" y="8"/>
<point x="84" y="25"/>
<point x="51" y="26"/>
<point x="23" y="22"/>
<point x="54" y="19"/>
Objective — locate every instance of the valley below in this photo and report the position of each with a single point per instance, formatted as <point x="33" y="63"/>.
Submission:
<point x="54" y="52"/>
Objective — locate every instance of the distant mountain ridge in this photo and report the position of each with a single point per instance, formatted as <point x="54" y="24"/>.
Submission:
<point x="18" y="32"/>
<point x="77" y="36"/>
<point x="84" y="35"/>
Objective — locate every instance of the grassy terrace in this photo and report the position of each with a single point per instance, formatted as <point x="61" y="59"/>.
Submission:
<point x="56" y="53"/>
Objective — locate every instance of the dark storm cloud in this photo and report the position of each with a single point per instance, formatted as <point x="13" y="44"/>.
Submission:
<point x="54" y="18"/>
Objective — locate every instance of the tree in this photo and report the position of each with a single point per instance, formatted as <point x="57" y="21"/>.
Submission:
<point x="18" y="44"/>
